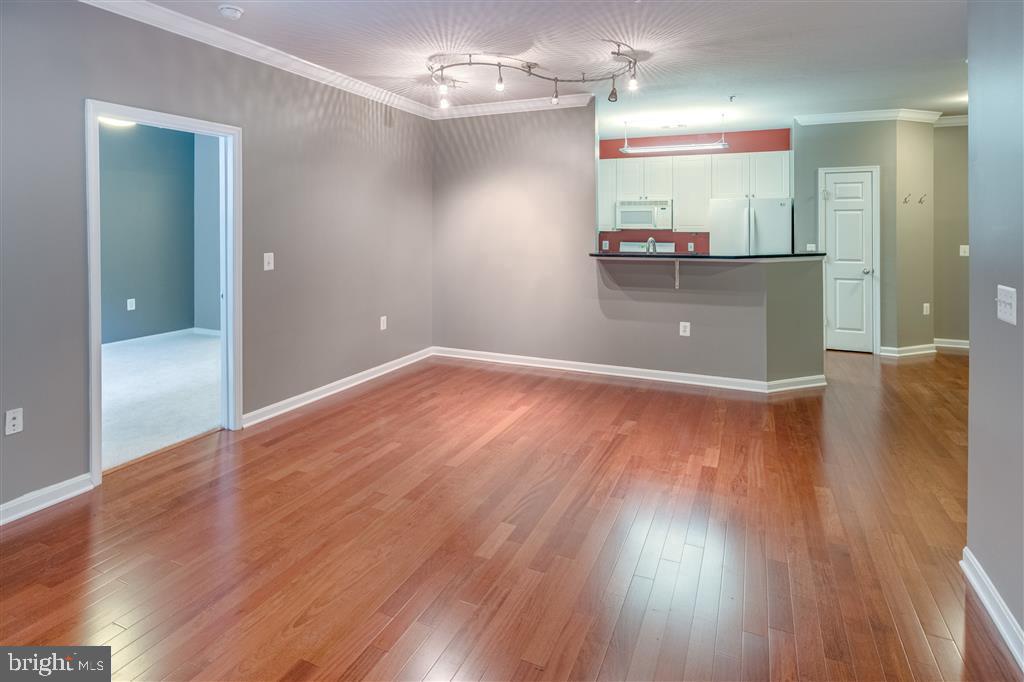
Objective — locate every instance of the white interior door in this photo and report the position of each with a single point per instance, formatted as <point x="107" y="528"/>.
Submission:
<point x="850" y="264"/>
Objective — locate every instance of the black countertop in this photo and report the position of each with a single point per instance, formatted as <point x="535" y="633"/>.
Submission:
<point x="691" y="256"/>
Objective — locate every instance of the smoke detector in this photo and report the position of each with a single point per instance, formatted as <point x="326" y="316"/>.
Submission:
<point x="230" y="12"/>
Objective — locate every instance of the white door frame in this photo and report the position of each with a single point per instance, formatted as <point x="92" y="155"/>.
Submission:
<point x="876" y="245"/>
<point x="231" y="260"/>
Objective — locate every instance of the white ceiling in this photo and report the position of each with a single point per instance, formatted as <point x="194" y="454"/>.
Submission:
<point x="780" y="59"/>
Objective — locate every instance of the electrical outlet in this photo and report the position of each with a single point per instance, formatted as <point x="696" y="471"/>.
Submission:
<point x="131" y="304"/>
<point x="383" y="322"/>
<point x="927" y="310"/>
<point x="684" y="329"/>
<point x="268" y="261"/>
<point x="812" y="247"/>
<point x="1006" y="304"/>
<point x="604" y="245"/>
<point x="965" y="250"/>
<point x="14" y="421"/>
<point x="691" y="247"/>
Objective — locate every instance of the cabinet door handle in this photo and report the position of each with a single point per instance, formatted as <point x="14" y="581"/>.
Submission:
<point x="867" y="271"/>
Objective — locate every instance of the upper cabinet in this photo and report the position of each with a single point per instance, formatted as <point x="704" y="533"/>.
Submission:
<point x="769" y="175"/>
<point x="691" y="190"/>
<point x="730" y="176"/>
<point x="607" y="183"/>
<point x="644" y="179"/>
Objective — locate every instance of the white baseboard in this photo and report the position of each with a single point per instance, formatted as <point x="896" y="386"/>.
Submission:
<point x="997" y="609"/>
<point x="205" y="331"/>
<point x="44" y="497"/>
<point x="288" y="404"/>
<point x="707" y="380"/>
<point x="906" y="351"/>
<point x="177" y="332"/>
<point x="952" y="343"/>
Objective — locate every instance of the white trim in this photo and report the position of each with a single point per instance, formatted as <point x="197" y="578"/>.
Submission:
<point x="876" y="247"/>
<point x="950" y="121"/>
<point x="289" y="404"/>
<point x="707" y="380"/>
<point x="183" y="25"/>
<point x="231" y="253"/>
<point x="797" y="258"/>
<point x="515" y="106"/>
<point x="176" y="332"/>
<point x="952" y="343"/>
<point x="915" y="115"/>
<point x="37" y="500"/>
<point x="906" y="351"/>
<point x="997" y="609"/>
<point x="203" y="331"/>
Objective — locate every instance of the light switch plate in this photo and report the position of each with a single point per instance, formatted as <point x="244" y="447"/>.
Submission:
<point x="14" y="421"/>
<point x="268" y="261"/>
<point x="383" y="322"/>
<point x="1006" y="304"/>
<point x="684" y="329"/>
<point x="812" y="247"/>
<point x="927" y="309"/>
<point x="965" y="250"/>
<point x="131" y="304"/>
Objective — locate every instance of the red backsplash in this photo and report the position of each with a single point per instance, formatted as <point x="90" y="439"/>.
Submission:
<point x="741" y="141"/>
<point x="701" y="240"/>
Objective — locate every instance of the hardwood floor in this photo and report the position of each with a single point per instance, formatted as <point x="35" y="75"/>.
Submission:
<point x="459" y="520"/>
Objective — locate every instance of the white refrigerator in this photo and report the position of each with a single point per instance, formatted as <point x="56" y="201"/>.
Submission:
<point x="754" y="227"/>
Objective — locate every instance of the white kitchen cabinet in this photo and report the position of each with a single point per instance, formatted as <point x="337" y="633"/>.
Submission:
<point x="769" y="175"/>
<point x="607" y="181"/>
<point x="629" y="179"/>
<point x="691" y="190"/>
<point x="730" y="176"/>
<point x="657" y="177"/>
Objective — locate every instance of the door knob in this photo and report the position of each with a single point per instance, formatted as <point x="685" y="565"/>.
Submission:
<point x="867" y="271"/>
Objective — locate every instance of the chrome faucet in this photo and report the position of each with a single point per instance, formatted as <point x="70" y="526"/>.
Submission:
<point x="652" y="246"/>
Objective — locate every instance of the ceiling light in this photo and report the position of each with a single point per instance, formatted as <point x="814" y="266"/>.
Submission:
<point x="633" y="85"/>
<point x="690" y="147"/>
<point x="613" y="96"/>
<point x="444" y="103"/>
<point x="554" y="97"/>
<point x="230" y="12"/>
<point x="443" y="88"/>
<point x="115" y="122"/>
<point x="500" y="85"/>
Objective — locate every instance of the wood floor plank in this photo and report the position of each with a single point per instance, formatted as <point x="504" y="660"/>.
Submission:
<point x="460" y="520"/>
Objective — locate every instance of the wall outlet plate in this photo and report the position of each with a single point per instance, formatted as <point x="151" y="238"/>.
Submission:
<point x="14" y="421"/>
<point x="684" y="329"/>
<point x="131" y="304"/>
<point x="383" y="322"/>
<point x="965" y="250"/>
<point x="690" y="247"/>
<point x="268" y="261"/>
<point x="812" y="247"/>
<point x="604" y="245"/>
<point x="927" y="309"/>
<point x="1006" y="304"/>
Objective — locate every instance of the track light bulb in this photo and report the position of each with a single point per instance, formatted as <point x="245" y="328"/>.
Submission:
<point x="613" y="96"/>
<point x="444" y="103"/>
<point x="554" y="97"/>
<point x="443" y="88"/>
<point x="500" y="85"/>
<point x="633" y="85"/>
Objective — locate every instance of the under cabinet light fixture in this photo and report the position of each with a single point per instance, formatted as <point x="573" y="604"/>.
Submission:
<point x="663" y="148"/>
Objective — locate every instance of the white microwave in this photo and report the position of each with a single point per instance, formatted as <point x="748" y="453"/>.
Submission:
<point x="643" y="215"/>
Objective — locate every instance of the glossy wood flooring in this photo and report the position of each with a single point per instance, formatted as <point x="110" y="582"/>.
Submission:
<point x="460" y="520"/>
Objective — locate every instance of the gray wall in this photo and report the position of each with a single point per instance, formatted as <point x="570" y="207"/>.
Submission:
<point x="206" y="212"/>
<point x="995" y="493"/>
<point x="850" y="144"/>
<point x="337" y="186"/>
<point x="514" y="215"/>
<point x="951" y="269"/>
<point x="915" y="226"/>
<point x="146" y="210"/>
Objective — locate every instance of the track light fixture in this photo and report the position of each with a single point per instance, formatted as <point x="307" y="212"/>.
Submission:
<point x="624" y="62"/>
<point x="445" y="103"/>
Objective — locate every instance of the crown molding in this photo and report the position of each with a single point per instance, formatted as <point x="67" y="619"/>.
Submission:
<point x="914" y="115"/>
<point x="513" y="106"/>
<point x="951" y="121"/>
<point x="160" y="17"/>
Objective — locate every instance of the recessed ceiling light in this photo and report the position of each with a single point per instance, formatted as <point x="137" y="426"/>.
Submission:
<point x="230" y="12"/>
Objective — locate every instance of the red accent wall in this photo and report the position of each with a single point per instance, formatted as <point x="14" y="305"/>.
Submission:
<point x="742" y="141"/>
<point x="701" y="240"/>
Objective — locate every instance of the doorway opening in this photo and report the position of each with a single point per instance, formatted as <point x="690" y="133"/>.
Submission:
<point x="164" y="291"/>
<point x="848" y="226"/>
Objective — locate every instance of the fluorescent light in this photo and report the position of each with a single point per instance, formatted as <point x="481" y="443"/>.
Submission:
<point x="692" y="147"/>
<point x="115" y="122"/>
